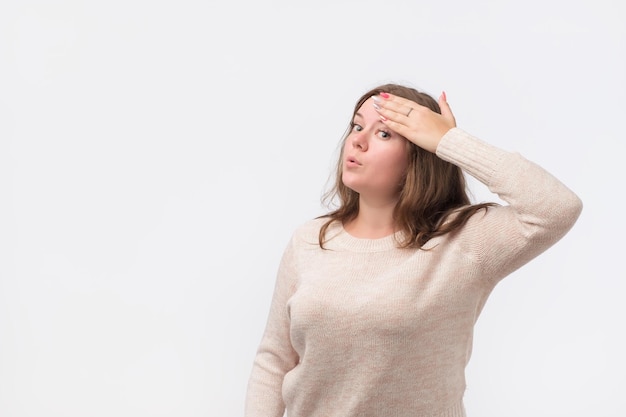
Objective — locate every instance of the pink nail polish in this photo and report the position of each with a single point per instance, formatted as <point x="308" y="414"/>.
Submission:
<point x="384" y="95"/>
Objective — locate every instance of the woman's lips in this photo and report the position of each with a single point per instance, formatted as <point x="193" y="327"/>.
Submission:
<point x="351" y="161"/>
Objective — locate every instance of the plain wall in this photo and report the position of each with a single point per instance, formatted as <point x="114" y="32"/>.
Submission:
<point x="156" y="156"/>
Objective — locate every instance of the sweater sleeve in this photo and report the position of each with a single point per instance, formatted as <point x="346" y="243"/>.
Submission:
<point x="275" y="355"/>
<point x="539" y="209"/>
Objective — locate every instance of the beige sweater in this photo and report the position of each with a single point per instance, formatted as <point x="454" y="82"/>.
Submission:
<point x="366" y="329"/>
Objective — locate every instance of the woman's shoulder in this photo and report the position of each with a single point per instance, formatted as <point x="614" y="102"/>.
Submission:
<point x="309" y="229"/>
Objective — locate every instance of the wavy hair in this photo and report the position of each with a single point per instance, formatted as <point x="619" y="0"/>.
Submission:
<point x="432" y="188"/>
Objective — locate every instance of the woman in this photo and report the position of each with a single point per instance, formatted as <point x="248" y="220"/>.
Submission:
<point x="375" y="303"/>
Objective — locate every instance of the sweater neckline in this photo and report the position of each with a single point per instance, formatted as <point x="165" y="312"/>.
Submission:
<point x="342" y="239"/>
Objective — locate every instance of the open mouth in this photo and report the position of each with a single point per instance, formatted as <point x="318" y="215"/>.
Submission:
<point x="352" y="160"/>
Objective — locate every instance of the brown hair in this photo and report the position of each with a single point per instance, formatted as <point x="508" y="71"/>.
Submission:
<point x="433" y="189"/>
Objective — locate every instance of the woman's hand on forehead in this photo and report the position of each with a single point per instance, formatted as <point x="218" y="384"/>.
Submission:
<point x="417" y="123"/>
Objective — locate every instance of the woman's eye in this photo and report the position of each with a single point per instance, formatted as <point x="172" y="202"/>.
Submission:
<point x="356" y="128"/>
<point x="384" y="134"/>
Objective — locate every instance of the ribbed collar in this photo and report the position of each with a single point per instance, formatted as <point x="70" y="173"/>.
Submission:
<point x="340" y="239"/>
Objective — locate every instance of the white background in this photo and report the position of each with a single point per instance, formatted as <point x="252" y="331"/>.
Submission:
<point x="155" y="157"/>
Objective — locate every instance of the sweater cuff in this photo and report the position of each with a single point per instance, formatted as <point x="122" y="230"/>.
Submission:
<point x="474" y="156"/>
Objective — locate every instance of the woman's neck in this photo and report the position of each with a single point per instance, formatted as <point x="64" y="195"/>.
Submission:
<point x="373" y="221"/>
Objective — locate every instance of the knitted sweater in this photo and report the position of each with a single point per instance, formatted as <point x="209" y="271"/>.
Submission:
<point x="366" y="329"/>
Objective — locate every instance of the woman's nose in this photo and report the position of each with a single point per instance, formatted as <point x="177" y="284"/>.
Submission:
<point x="359" y="141"/>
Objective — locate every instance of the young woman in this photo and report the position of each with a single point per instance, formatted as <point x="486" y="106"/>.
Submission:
<point x="375" y="303"/>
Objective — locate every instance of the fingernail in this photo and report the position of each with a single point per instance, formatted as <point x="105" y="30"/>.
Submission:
<point x="384" y="95"/>
<point x="383" y="118"/>
<point x="376" y="99"/>
<point x="376" y="106"/>
<point x="443" y="94"/>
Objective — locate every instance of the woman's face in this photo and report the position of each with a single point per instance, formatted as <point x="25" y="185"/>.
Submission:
<point x="374" y="157"/>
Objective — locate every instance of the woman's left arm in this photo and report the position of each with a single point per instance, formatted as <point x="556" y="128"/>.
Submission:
<point x="540" y="210"/>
